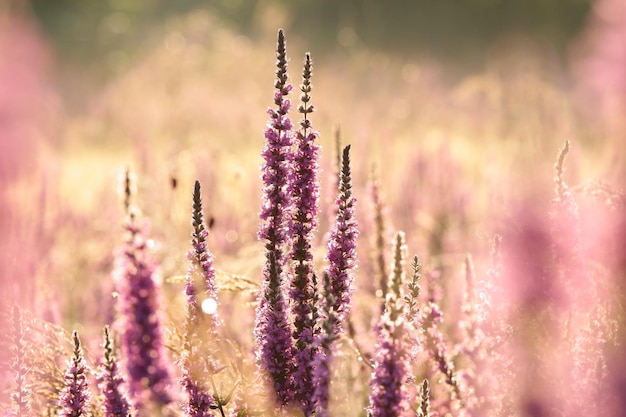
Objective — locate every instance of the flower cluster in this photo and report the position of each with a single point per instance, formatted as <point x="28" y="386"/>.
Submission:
<point x="111" y="381"/>
<point x="304" y="189"/>
<point x="274" y="349"/>
<point x="274" y="345"/>
<point x="138" y="283"/>
<point x="74" y="398"/>
<point x="341" y="254"/>
<point x="389" y="394"/>
<point x="200" y="333"/>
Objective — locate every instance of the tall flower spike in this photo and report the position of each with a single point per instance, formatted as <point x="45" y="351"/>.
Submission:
<point x="110" y="381"/>
<point x="137" y="279"/>
<point x="276" y="168"/>
<point x="388" y="391"/>
<point x="304" y="189"/>
<point x="201" y="268"/>
<point x="20" y="395"/>
<point x="274" y="346"/>
<point x="200" y="334"/>
<point x="341" y="254"/>
<point x="74" y="397"/>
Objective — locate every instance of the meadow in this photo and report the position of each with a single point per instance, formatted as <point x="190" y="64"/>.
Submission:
<point x="234" y="226"/>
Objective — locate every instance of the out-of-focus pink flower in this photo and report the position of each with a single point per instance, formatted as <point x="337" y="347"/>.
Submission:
<point x="143" y="345"/>
<point x="602" y="62"/>
<point x="110" y="381"/>
<point x="26" y="104"/>
<point x="388" y="388"/>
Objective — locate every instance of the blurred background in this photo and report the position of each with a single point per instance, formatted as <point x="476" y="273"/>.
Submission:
<point x="460" y="106"/>
<point x="98" y="39"/>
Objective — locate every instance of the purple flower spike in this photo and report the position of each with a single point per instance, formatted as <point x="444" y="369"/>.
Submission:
<point x="304" y="189"/>
<point x="74" y="398"/>
<point x="110" y="381"/>
<point x="388" y="394"/>
<point x="274" y="346"/>
<point x="341" y="255"/>
<point x="199" y="401"/>
<point x="274" y="350"/>
<point x="276" y="168"/>
<point x="201" y="267"/>
<point x="142" y="344"/>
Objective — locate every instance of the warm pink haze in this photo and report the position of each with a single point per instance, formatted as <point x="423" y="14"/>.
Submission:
<point x="206" y="213"/>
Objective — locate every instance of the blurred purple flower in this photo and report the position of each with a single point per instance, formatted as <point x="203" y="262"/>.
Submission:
<point x="602" y="59"/>
<point x="199" y="402"/>
<point x="27" y="108"/>
<point x="140" y="322"/>
<point x="388" y="391"/>
<point x="74" y="397"/>
<point x="110" y="382"/>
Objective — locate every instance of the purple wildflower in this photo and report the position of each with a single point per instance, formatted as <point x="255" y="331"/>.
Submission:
<point x="274" y="346"/>
<point x="110" y="381"/>
<point x="274" y="350"/>
<point x="321" y="378"/>
<point x="389" y="395"/>
<point x="341" y="255"/>
<point x="304" y="189"/>
<point x="195" y="366"/>
<point x="200" y="335"/>
<point x="201" y="263"/>
<point x="74" y="398"/>
<point x="276" y="168"/>
<point x="199" y="402"/>
<point x="140" y="322"/>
